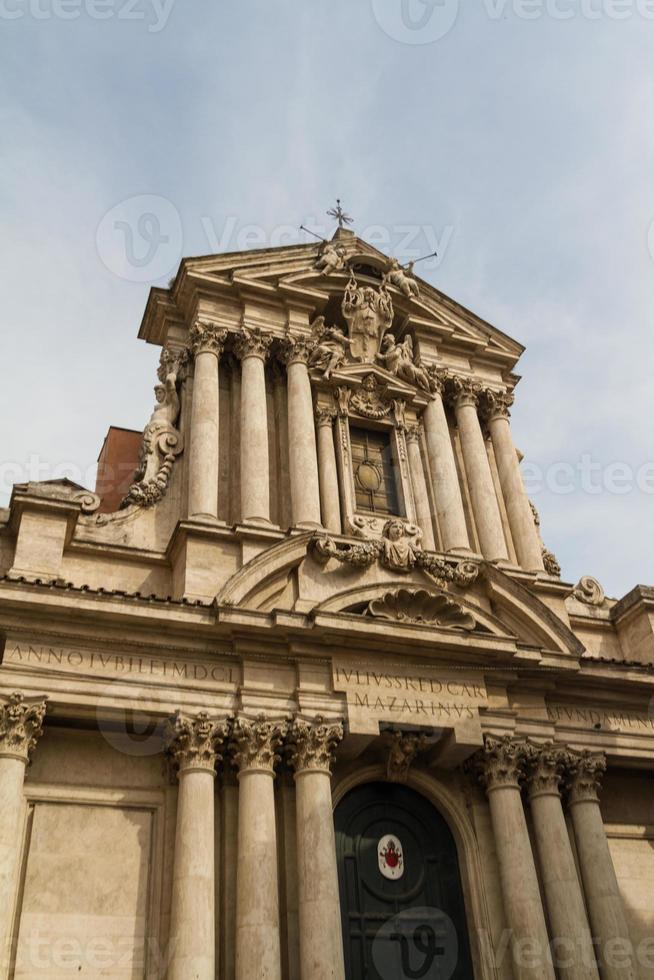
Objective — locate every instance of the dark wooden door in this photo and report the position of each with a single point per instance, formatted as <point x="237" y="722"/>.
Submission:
<point x="406" y="927"/>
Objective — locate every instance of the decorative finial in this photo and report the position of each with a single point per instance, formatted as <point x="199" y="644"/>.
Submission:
<point x="341" y="216"/>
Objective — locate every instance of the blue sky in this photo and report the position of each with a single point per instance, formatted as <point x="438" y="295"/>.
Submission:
<point x="519" y="140"/>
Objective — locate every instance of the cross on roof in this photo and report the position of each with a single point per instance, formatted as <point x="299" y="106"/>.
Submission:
<point x="341" y="216"/>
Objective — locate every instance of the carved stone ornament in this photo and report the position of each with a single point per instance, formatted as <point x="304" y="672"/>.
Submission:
<point x="330" y="348"/>
<point x="589" y="591"/>
<point x="325" y="415"/>
<point x="421" y="608"/>
<point x="162" y="443"/>
<point x="21" y="725"/>
<point x="297" y="350"/>
<point x="496" y="404"/>
<point x="414" y="433"/>
<point x="255" y="744"/>
<point x="438" y="378"/>
<point x="501" y="763"/>
<point x="207" y="337"/>
<point x="464" y="391"/>
<point x="584" y="781"/>
<point x="402" y="753"/>
<point x="369" y="400"/>
<point x="173" y="362"/>
<point x="252" y="342"/>
<point x="401" y="361"/>
<point x="194" y="742"/>
<point x="546" y="768"/>
<point x="331" y="259"/>
<point x="551" y="564"/>
<point x="311" y="744"/>
<point x="402" y="278"/>
<point x="369" y="314"/>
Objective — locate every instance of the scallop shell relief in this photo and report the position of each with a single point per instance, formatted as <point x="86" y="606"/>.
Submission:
<point x="421" y="608"/>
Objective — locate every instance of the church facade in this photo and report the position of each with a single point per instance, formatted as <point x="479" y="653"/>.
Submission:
<point x="298" y="691"/>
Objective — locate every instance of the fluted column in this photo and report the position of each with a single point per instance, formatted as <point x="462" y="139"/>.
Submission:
<point x="252" y="347"/>
<point x="258" y="948"/>
<point x="420" y="494"/>
<point x="303" y="461"/>
<point x="605" y="907"/>
<point x="21" y="726"/>
<point x="480" y="480"/>
<point x="521" y="519"/>
<point x="444" y="475"/>
<point x="321" y="942"/>
<point x="193" y="746"/>
<point x="206" y="341"/>
<point x="327" y="470"/>
<point x="500" y="767"/>
<point x="572" y="945"/>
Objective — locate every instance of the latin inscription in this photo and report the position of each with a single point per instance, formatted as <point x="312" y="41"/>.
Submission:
<point x="600" y="719"/>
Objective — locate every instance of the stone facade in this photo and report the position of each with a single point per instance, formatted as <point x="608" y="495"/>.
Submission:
<point x="191" y="684"/>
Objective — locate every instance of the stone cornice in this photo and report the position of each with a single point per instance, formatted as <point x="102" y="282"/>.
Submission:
<point x="21" y="725"/>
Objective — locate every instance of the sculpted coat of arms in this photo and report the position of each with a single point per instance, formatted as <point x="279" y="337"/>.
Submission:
<point x="369" y="314"/>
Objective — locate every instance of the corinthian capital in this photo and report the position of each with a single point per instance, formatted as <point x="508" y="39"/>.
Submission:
<point x="325" y="415"/>
<point x="194" y="742"/>
<point x="253" y="343"/>
<point x="312" y="744"/>
<point x="414" y="433"/>
<point x="21" y="725"/>
<point x="255" y="743"/>
<point x="496" y="404"/>
<point x="585" y="776"/>
<point x="297" y="350"/>
<point x="464" y="391"/>
<point x="501" y="762"/>
<point x="546" y="768"/>
<point x="438" y="378"/>
<point x="205" y="337"/>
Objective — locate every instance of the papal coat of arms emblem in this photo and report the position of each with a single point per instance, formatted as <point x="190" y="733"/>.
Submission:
<point x="390" y="857"/>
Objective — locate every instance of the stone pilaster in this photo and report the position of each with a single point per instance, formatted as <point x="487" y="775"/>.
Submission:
<point x="252" y="347"/>
<point x="500" y="766"/>
<point x="465" y="393"/>
<point x="444" y="475"/>
<point x="21" y="726"/>
<point x="206" y="345"/>
<point x="193" y="747"/>
<point x="305" y="488"/>
<point x="605" y="907"/>
<point x="327" y="470"/>
<point x="572" y="944"/>
<point x="420" y="494"/>
<point x="255" y="746"/>
<point x="311" y="754"/>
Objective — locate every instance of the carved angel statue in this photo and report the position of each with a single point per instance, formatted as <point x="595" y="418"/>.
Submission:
<point x="161" y="443"/>
<point x="401" y="361"/>
<point x="331" y="259"/>
<point x="402" y="278"/>
<point x="331" y="347"/>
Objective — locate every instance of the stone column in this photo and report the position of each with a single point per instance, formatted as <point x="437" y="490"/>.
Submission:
<point x="21" y="726"/>
<point x="420" y="494"/>
<point x="321" y="941"/>
<point x="480" y="479"/>
<point x="252" y="347"/>
<point x="207" y="342"/>
<point x="303" y="457"/>
<point x="500" y="767"/>
<point x="258" y="947"/>
<point x="444" y="475"/>
<point x="605" y="908"/>
<point x="572" y="944"/>
<point x="329" y="492"/>
<point x="521" y="519"/>
<point x="193" y="744"/>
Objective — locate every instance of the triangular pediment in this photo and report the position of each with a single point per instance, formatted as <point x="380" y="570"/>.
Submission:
<point x="386" y="384"/>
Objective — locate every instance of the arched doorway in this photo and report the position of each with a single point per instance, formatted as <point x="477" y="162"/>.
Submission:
<point x="402" y="902"/>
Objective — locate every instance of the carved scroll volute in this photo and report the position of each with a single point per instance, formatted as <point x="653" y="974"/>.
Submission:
<point x="312" y="745"/>
<point x="21" y="726"/>
<point x="255" y="744"/>
<point x="194" y="742"/>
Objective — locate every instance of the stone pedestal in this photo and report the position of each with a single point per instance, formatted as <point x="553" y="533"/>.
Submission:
<point x="327" y="469"/>
<point x="252" y="348"/>
<point x="444" y="477"/>
<point x="193" y="747"/>
<point x="303" y="460"/>
<point x="321" y="942"/>
<point x="207" y="344"/>
<point x="480" y="480"/>
<point x="420" y="494"/>
<point x="500" y="767"/>
<point x="572" y="945"/>
<point x="605" y="908"/>
<point x="526" y="538"/>
<point x="258" y="949"/>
